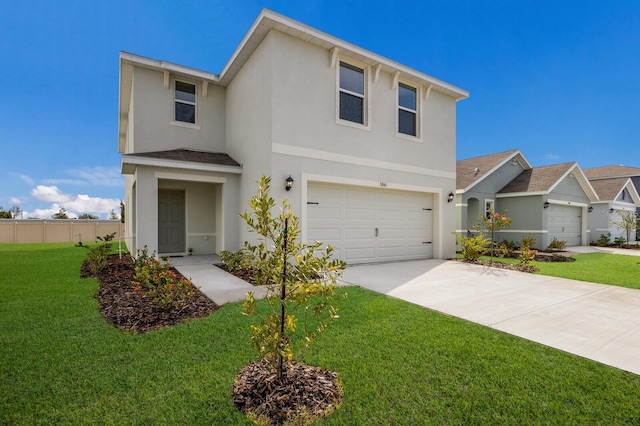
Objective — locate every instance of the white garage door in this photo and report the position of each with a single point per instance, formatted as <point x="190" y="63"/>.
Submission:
<point x="370" y="225"/>
<point x="565" y="224"/>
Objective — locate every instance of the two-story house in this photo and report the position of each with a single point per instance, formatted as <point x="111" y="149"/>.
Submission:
<point x="361" y="146"/>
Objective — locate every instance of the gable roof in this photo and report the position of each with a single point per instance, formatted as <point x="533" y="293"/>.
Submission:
<point x="471" y="171"/>
<point x="267" y="21"/>
<point x="605" y="172"/>
<point x="543" y="180"/>
<point x="182" y="158"/>
<point x="610" y="189"/>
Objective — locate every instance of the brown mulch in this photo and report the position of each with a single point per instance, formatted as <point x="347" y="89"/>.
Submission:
<point x="500" y="265"/>
<point x="133" y="312"/>
<point x="304" y="394"/>
<point x="243" y="274"/>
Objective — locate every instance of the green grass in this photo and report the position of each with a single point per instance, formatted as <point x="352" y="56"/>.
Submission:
<point x="604" y="268"/>
<point x="61" y="363"/>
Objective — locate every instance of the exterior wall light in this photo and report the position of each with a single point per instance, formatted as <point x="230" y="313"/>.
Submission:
<point x="288" y="183"/>
<point x="590" y="209"/>
<point x="611" y="210"/>
<point x="450" y="197"/>
<point x="546" y="204"/>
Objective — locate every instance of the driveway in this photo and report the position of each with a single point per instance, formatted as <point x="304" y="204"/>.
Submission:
<point x="595" y="321"/>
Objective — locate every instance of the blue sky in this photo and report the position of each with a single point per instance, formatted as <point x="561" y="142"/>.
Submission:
<point x="559" y="80"/>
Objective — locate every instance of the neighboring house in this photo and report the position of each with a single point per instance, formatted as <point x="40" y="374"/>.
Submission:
<point x="617" y="196"/>
<point x="368" y="143"/>
<point x="607" y="172"/>
<point x="544" y="202"/>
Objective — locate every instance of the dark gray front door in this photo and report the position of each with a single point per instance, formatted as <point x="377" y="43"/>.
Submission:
<point x="171" y="224"/>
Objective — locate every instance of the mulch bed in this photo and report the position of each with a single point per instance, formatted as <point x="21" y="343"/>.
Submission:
<point x="304" y="394"/>
<point x="243" y="274"/>
<point x="133" y="312"/>
<point x="555" y="257"/>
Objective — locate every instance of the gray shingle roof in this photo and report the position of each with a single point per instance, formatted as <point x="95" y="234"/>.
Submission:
<point x="466" y="169"/>
<point x="611" y="172"/>
<point x="608" y="189"/>
<point x="537" y="179"/>
<point x="191" y="156"/>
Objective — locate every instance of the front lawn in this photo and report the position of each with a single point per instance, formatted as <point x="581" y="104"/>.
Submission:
<point x="61" y="363"/>
<point x="604" y="268"/>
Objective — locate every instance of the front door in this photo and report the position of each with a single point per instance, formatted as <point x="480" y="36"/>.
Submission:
<point x="171" y="223"/>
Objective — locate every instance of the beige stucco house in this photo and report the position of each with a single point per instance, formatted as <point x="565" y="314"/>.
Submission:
<point x="369" y="144"/>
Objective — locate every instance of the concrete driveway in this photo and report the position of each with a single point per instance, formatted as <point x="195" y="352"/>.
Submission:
<point x="595" y="321"/>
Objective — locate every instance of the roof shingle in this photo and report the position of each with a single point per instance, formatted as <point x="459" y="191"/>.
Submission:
<point x="537" y="179"/>
<point x="611" y="172"/>
<point x="191" y="156"/>
<point x="608" y="189"/>
<point x="466" y="169"/>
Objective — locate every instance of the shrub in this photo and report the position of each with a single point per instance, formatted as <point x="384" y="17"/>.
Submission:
<point x="603" y="241"/>
<point x="97" y="258"/>
<point x="619" y="241"/>
<point x="557" y="244"/>
<point x="526" y="255"/>
<point x="233" y="260"/>
<point x="528" y="241"/>
<point x="106" y="240"/>
<point x="472" y="247"/>
<point x="156" y="279"/>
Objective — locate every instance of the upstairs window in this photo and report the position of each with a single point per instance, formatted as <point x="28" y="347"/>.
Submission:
<point x="352" y="93"/>
<point x="407" y="110"/>
<point x="185" y="102"/>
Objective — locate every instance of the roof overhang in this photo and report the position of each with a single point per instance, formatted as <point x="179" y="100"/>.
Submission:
<point x="130" y="162"/>
<point x="269" y="20"/>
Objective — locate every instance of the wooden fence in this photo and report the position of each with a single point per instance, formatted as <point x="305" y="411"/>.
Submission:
<point x="57" y="230"/>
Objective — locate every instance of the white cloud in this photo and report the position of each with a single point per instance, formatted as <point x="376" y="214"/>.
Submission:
<point x="26" y="179"/>
<point x="50" y="194"/>
<point x="74" y="205"/>
<point x="552" y="156"/>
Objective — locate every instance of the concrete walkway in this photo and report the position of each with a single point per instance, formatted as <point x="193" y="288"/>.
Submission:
<point x="218" y="285"/>
<point x="594" y="321"/>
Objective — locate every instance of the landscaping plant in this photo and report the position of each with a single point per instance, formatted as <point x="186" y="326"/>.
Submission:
<point x="492" y="223"/>
<point x="472" y="246"/>
<point x="557" y="244"/>
<point x="156" y="280"/>
<point x="301" y="281"/>
<point x="297" y="276"/>
<point x="628" y="221"/>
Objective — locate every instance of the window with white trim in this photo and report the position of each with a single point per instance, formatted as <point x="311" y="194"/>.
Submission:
<point x="352" y="86"/>
<point x="407" y="110"/>
<point x="185" y="102"/>
<point x="489" y="208"/>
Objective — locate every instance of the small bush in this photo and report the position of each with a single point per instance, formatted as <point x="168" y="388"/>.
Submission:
<point x="156" y="280"/>
<point x="556" y="244"/>
<point x="97" y="258"/>
<point x="106" y="240"/>
<point x="526" y="255"/>
<point x="472" y="247"/>
<point x="619" y="241"/>
<point x="603" y="241"/>
<point x="528" y="241"/>
<point x="233" y="260"/>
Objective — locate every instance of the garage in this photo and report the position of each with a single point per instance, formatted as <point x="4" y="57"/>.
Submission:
<point x="565" y="224"/>
<point x="370" y="224"/>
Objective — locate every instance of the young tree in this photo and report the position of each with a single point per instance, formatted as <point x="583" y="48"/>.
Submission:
<point x="15" y="211"/>
<point x="628" y="221"/>
<point x="492" y="223"/>
<point x="113" y="215"/>
<point x="297" y="276"/>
